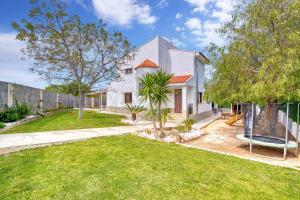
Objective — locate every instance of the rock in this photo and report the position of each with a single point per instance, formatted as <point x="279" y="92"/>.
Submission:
<point x="188" y="136"/>
<point x="169" y="139"/>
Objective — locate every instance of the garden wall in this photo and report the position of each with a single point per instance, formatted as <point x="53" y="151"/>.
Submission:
<point x="291" y="125"/>
<point x="39" y="99"/>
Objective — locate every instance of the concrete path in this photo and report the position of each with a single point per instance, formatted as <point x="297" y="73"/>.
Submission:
<point x="206" y="121"/>
<point x="18" y="141"/>
<point x="14" y="142"/>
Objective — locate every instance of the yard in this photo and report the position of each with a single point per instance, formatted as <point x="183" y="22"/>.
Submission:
<point x="129" y="167"/>
<point x="67" y="120"/>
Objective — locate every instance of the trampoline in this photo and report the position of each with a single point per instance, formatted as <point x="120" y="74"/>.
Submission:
<point x="267" y="141"/>
<point x="270" y="126"/>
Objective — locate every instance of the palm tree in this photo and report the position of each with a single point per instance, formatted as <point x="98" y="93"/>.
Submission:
<point x="134" y="110"/>
<point x="155" y="89"/>
<point x="146" y="92"/>
<point x="161" y="91"/>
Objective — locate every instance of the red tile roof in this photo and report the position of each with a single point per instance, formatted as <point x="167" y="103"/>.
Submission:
<point x="180" y="79"/>
<point x="147" y="63"/>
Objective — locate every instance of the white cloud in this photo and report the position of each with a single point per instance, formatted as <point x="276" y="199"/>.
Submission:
<point x="12" y="68"/>
<point x="193" y="24"/>
<point x="124" y="12"/>
<point x="176" y="42"/>
<point x="179" y="29"/>
<point x="178" y="16"/>
<point x="199" y="5"/>
<point x="215" y="12"/>
<point x="209" y="34"/>
<point x="162" y="3"/>
<point x="223" y="11"/>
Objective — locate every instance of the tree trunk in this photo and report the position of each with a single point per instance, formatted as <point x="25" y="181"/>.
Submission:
<point x="153" y="120"/>
<point x="246" y="116"/>
<point x="160" y="119"/>
<point x="271" y="118"/>
<point x="81" y="102"/>
<point x="133" y="116"/>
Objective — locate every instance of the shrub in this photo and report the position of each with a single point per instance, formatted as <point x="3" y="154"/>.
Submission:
<point x="185" y="126"/>
<point x="188" y="123"/>
<point x="134" y="110"/>
<point x="2" y="125"/>
<point x="12" y="114"/>
<point x="62" y="106"/>
<point x="9" y="115"/>
<point x="23" y="109"/>
<point x="181" y="128"/>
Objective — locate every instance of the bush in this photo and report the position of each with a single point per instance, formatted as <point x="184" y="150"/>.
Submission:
<point x="185" y="126"/>
<point x="9" y="115"/>
<point x="13" y="114"/>
<point x="188" y="123"/>
<point x="22" y="109"/>
<point x="2" y="125"/>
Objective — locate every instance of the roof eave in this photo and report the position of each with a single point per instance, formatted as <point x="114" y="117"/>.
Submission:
<point x="202" y="58"/>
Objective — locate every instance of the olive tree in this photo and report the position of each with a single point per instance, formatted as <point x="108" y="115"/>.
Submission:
<point x="66" y="50"/>
<point x="261" y="59"/>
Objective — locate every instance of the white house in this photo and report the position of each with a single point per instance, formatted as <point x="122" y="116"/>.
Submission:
<point x="187" y="83"/>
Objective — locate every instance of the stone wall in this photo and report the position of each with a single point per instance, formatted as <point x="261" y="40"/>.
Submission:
<point x="201" y="116"/>
<point x="3" y="95"/>
<point x="37" y="99"/>
<point x="117" y="109"/>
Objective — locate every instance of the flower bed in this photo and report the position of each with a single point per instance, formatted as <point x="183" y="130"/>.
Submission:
<point x="171" y="135"/>
<point x="27" y="119"/>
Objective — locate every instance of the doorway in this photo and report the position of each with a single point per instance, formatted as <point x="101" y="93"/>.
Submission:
<point x="178" y="101"/>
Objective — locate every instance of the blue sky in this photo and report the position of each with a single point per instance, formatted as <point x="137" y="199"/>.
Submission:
<point x="189" y="24"/>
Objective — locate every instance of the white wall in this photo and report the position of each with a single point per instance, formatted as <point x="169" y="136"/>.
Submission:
<point x="292" y="126"/>
<point x="201" y="75"/>
<point x="171" y="102"/>
<point x="115" y="92"/>
<point x="204" y="107"/>
<point x="146" y="51"/>
<point x="181" y="62"/>
<point x="175" y="61"/>
<point x="164" y="55"/>
<point x="129" y="82"/>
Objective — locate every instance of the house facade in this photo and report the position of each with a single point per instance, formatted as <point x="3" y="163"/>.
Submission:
<point x="187" y="83"/>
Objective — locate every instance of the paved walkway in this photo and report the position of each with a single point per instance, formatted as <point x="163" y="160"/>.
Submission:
<point x="204" y="122"/>
<point x="14" y="142"/>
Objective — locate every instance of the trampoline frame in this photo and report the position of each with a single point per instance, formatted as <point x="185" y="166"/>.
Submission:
<point x="287" y="144"/>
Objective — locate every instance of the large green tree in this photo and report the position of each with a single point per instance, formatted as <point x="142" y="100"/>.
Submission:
<point x="67" y="50"/>
<point x="69" y="88"/>
<point x="260" y="61"/>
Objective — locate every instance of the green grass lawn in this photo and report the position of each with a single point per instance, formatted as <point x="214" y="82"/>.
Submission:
<point x="68" y="120"/>
<point x="129" y="167"/>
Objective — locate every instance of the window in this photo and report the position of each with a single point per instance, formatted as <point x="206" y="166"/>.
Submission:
<point x="128" y="97"/>
<point x="128" y="71"/>
<point x="200" y="97"/>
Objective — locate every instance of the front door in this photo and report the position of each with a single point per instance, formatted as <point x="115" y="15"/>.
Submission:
<point x="178" y="101"/>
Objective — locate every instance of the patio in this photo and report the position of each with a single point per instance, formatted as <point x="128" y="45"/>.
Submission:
<point x="220" y="137"/>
